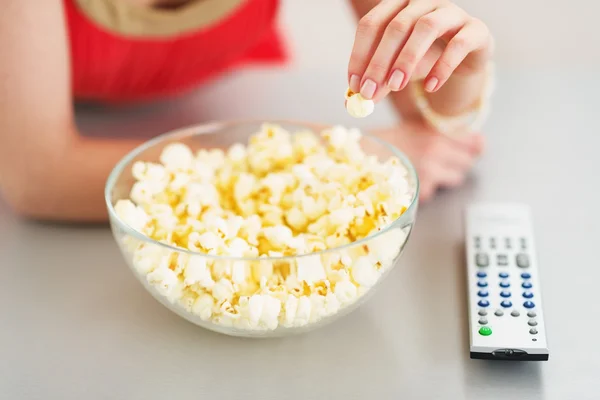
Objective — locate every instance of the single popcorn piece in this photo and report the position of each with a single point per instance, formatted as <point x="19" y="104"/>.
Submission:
<point x="278" y="236"/>
<point x="357" y="106"/>
<point x="303" y="311"/>
<point x="223" y="291"/>
<point x="310" y="269"/>
<point x="364" y="271"/>
<point x="256" y="215"/>
<point x="196" y="271"/>
<point x="164" y="280"/>
<point x="345" y="291"/>
<point x="132" y="215"/>
<point x="176" y="156"/>
<point x="291" y="306"/>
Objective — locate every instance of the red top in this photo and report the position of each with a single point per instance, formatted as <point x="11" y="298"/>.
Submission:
<point x="108" y="67"/>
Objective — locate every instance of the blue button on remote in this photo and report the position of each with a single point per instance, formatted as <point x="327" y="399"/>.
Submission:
<point x="503" y="274"/>
<point x="504" y="284"/>
<point x="483" y="293"/>
<point x="483" y="303"/>
<point x="528" y="304"/>
<point x="481" y="274"/>
<point x="482" y="284"/>
<point x="506" y="304"/>
<point x="525" y="275"/>
<point x="504" y="294"/>
<point x="526" y="285"/>
<point x="528" y="295"/>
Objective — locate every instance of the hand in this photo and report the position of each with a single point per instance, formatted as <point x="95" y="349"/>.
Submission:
<point x="440" y="161"/>
<point x="403" y="40"/>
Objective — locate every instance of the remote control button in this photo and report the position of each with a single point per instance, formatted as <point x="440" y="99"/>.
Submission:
<point x="532" y="322"/>
<point x="525" y="275"/>
<point x="506" y="304"/>
<point x="481" y="274"/>
<point x="483" y="313"/>
<point x="482" y="260"/>
<point x="483" y="303"/>
<point x="499" y="313"/>
<point x="515" y="313"/>
<point x="483" y="321"/>
<point x="482" y="284"/>
<point x="531" y="314"/>
<point x="504" y="284"/>
<point x="528" y="304"/>
<point x="504" y="294"/>
<point x="485" y="331"/>
<point x="526" y="285"/>
<point x="492" y="243"/>
<point x="528" y="295"/>
<point x="503" y="275"/>
<point x="483" y="293"/>
<point x="507" y="243"/>
<point x="477" y="242"/>
<point x="523" y="243"/>
<point x="522" y="260"/>
<point x="533" y="331"/>
<point x="502" y="260"/>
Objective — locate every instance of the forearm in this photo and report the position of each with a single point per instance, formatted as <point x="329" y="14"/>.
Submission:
<point x="70" y="189"/>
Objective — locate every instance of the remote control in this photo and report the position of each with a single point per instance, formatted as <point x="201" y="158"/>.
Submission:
<point x="506" y="321"/>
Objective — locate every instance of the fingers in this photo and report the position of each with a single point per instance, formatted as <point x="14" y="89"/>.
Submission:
<point x="473" y="37"/>
<point x="368" y="34"/>
<point x="394" y="41"/>
<point x="394" y="37"/>
<point x="446" y="163"/>
<point x="436" y="175"/>
<point x="454" y="156"/>
<point x="426" y="31"/>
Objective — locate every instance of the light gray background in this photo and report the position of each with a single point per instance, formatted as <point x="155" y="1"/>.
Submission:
<point x="77" y="325"/>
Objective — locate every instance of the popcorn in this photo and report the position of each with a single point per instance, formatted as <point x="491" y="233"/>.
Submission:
<point x="132" y="215"/>
<point x="255" y="214"/>
<point x="278" y="236"/>
<point x="303" y="311"/>
<point x="163" y="279"/>
<point x="196" y="271"/>
<point x="237" y="153"/>
<point x="206" y="241"/>
<point x="291" y="307"/>
<point x="310" y="269"/>
<point x="364" y="272"/>
<point x="345" y="291"/>
<point x="296" y="219"/>
<point x="142" y="171"/>
<point x="147" y="258"/>
<point x="359" y="107"/>
<point x="223" y="291"/>
<point x="176" y="156"/>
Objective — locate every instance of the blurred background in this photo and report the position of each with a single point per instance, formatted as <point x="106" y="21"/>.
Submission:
<point x="531" y="33"/>
<point x="540" y="47"/>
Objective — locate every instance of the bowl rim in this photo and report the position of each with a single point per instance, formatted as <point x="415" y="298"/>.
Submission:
<point x="210" y="127"/>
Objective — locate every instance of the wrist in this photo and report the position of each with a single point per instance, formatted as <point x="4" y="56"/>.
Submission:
<point x="462" y="108"/>
<point x="458" y="95"/>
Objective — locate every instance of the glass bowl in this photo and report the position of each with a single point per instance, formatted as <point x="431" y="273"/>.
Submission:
<point x="386" y="245"/>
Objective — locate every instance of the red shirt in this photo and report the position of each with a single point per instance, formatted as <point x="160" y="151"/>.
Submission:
<point x="110" y="67"/>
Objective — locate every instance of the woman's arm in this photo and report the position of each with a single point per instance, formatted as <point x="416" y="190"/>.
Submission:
<point x="47" y="170"/>
<point x="384" y="35"/>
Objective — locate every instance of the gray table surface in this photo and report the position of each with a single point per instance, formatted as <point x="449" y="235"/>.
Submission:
<point x="77" y="325"/>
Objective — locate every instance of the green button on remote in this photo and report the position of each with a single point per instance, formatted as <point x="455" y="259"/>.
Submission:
<point x="485" y="331"/>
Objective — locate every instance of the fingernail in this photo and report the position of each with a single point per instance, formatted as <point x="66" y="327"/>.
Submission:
<point x="368" y="89"/>
<point x="431" y="84"/>
<point x="355" y="83"/>
<point x="396" y="80"/>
